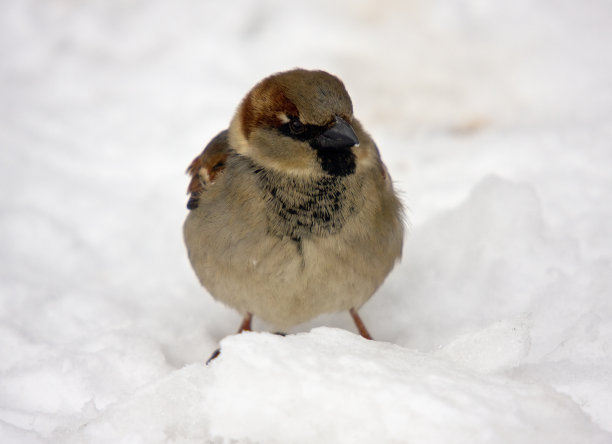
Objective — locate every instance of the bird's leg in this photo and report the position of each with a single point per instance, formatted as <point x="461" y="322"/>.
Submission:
<point x="246" y="323"/>
<point x="363" y="331"/>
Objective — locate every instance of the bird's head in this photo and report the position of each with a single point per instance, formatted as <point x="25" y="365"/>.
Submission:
<point x="298" y="122"/>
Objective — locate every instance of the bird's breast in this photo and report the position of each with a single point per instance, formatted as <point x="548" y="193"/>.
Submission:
<point x="300" y="208"/>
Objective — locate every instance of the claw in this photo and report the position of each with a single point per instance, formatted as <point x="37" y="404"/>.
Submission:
<point x="214" y="355"/>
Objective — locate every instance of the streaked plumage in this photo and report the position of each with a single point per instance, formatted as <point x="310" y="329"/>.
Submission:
<point x="292" y="212"/>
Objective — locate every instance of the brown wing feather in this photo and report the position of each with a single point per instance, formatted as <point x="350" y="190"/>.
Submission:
<point x="206" y="166"/>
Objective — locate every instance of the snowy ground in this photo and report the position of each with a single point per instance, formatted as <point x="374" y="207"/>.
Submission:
<point x="495" y="120"/>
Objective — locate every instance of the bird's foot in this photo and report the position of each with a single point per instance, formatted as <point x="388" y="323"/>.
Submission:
<point x="214" y="356"/>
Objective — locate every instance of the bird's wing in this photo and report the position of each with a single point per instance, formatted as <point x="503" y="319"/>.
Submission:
<point x="206" y="167"/>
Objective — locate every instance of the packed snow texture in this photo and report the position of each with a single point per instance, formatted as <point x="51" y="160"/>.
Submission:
<point x="495" y="121"/>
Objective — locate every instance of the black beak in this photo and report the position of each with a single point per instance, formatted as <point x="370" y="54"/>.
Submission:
<point x="340" y="135"/>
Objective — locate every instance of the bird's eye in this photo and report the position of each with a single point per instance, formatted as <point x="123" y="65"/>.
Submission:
<point x="296" y="126"/>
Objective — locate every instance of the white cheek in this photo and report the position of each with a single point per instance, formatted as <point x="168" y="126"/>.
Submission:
<point x="236" y="137"/>
<point x="366" y="158"/>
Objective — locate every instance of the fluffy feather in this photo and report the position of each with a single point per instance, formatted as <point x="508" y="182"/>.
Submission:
<point x="292" y="211"/>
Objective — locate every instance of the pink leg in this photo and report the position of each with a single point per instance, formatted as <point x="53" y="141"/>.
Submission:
<point x="363" y="331"/>
<point x="246" y="323"/>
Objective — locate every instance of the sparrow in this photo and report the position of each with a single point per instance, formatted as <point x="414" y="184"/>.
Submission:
<point x="292" y="212"/>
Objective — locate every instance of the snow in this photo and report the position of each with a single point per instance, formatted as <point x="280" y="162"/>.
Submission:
<point x="332" y="386"/>
<point x="494" y="119"/>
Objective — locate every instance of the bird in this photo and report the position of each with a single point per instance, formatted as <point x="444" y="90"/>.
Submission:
<point x="292" y="212"/>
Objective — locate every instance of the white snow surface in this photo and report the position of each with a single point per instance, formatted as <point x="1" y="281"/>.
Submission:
<point x="495" y="120"/>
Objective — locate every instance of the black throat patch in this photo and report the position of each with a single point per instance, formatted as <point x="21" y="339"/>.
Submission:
<point x="337" y="161"/>
<point x="299" y="207"/>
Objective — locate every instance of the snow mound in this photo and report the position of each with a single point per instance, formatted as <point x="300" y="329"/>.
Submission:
<point x="171" y="410"/>
<point x="475" y="264"/>
<point x="330" y="385"/>
<point x="498" y="347"/>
